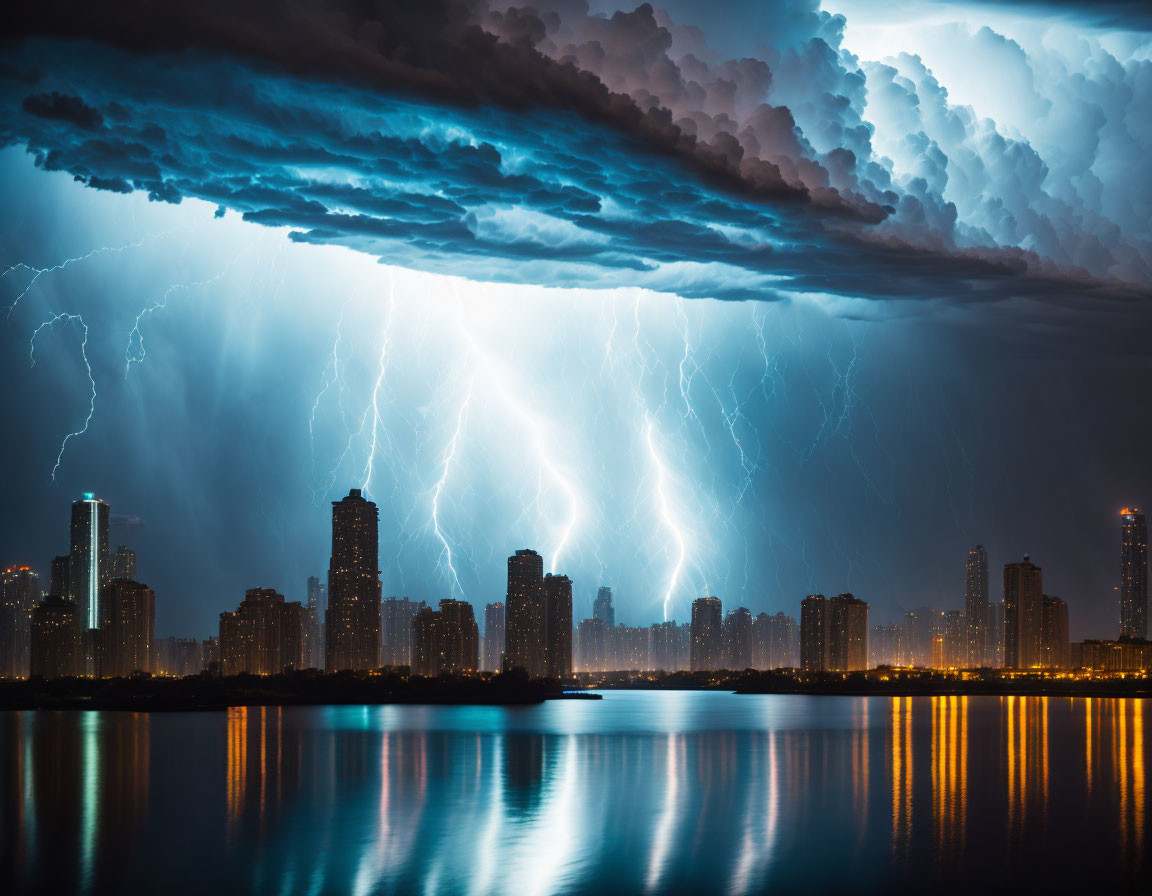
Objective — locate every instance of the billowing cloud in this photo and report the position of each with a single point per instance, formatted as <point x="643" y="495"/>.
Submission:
<point x="546" y="144"/>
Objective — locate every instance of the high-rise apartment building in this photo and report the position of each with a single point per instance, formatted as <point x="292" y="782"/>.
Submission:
<point x="55" y="641"/>
<point x="976" y="608"/>
<point x="19" y="597"/>
<point x="592" y="653"/>
<point x="738" y="641"/>
<point x="263" y="636"/>
<point x="59" y="578"/>
<point x="124" y="563"/>
<point x="128" y="629"/>
<point x="996" y="635"/>
<point x="847" y="633"/>
<point x="707" y="634"/>
<point x="1133" y="574"/>
<point x="89" y="566"/>
<point x="955" y="638"/>
<point x="558" y="625"/>
<point x="669" y="646"/>
<point x="396" y="615"/>
<point x="783" y="642"/>
<point x="1023" y="615"/>
<point x="1054" y="644"/>
<point x="525" y="627"/>
<point x="814" y="642"/>
<point x="178" y="656"/>
<point x="445" y="641"/>
<point x="352" y="623"/>
<point x="492" y="652"/>
<point x="314" y="625"/>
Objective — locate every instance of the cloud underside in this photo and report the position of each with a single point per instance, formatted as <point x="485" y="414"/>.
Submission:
<point x="521" y="146"/>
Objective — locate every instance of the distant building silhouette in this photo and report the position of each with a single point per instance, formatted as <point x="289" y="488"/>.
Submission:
<point x="525" y="625"/>
<point x="352" y="623"/>
<point x="814" y="642"/>
<point x="314" y="624"/>
<point x="1112" y="656"/>
<point x="55" y="641"/>
<point x="921" y="627"/>
<point x="886" y="645"/>
<point x="124" y="563"/>
<point x="976" y="608"/>
<point x="847" y="633"/>
<point x="1054" y="644"/>
<point x="1133" y="574"/>
<point x="592" y="646"/>
<point x="1023" y="615"/>
<point x="602" y="608"/>
<point x="445" y="640"/>
<point x="492" y="651"/>
<point x="783" y="642"/>
<point x="558" y="625"/>
<point x="707" y="634"/>
<point x="396" y="615"/>
<point x="178" y="656"/>
<point x="629" y="648"/>
<point x="126" y="635"/>
<point x="264" y="635"/>
<point x="669" y="646"/>
<point x="19" y="596"/>
<point x="995" y="658"/>
<point x="955" y="638"/>
<point x="58" y="579"/>
<point x="738" y="639"/>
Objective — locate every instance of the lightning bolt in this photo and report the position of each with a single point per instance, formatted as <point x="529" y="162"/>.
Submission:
<point x="667" y="516"/>
<point x="449" y="455"/>
<point x="385" y="345"/>
<point x="48" y="324"/>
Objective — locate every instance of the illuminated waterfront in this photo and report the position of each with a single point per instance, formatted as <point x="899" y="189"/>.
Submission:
<point x="652" y="792"/>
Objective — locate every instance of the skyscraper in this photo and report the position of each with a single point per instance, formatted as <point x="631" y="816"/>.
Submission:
<point x="396" y="615"/>
<point x="1055" y="646"/>
<point x="738" y="639"/>
<point x="707" y="634"/>
<point x="847" y="633"/>
<point x="814" y="656"/>
<point x="1023" y="615"/>
<point x="558" y="622"/>
<point x="1133" y="574"/>
<point x="445" y="640"/>
<point x="128" y="629"/>
<point x="492" y="653"/>
<point x="525" y="627"/>
<point x="352" y="623"/>
<point x="89" y="570"/>
<point x="602" y="608"/>
<point x="976" y="607"/>
<point x="19" y="596"/>
<point x="124" y="563"/>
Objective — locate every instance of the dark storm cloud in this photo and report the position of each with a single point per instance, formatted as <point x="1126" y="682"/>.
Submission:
<point x="548" y="145"/>
<point x="125" y="521"/>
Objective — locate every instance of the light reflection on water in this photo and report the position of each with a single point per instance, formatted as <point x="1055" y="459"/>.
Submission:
<point x="661" y="792"/>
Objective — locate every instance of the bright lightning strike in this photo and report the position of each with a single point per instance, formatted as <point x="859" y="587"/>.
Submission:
<point x="87" y="366"/>
<point x="449" y="456"/>
<point x="667" y="516"/>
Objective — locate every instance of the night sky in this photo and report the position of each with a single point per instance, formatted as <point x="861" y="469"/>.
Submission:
<point x="700" y="298"/>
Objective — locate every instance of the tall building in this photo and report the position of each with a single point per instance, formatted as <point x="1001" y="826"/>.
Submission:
<point x="55" y="641"/>
<point x="558" y="625"/>
<point x="396" y="615"/>
<point x="707" y="634"/>
<point x="492" y="653"/>
<point x="524" y="623"/>
<point x="445" y="641"/>
<point x="886" y="645"/>
<point x="19" y="596"/>
<point x="263" y="636"/>
<point x="1054" y="646"/>
<point x="847" y="633"/>
<point x="738" y="639"/>
<point x="814" y="621"/>
<point x="59" y="577"/>
<point x="352" y="623"/>
<point x="602" y="608"/>
<point x="976" y="607"/>
<point x="89" y="569"/>
<point x="783" y="642"/>
<point x="630" y="649"/>
<point x="1133" y="574"/>
<point x="128" y="629"/>
<point x="1023" y="615"/>
<point x="954" y="638"/>
<point x="996" y="635"/>
<point x="314" y="625"/>
<point x="592" y="646"/>
<point x="124" y="563"/>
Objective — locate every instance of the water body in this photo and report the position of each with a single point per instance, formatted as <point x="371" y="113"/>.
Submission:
<point x="643" y="792"/>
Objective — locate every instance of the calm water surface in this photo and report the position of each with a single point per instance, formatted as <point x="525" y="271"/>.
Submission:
<point x="662" y="792"/>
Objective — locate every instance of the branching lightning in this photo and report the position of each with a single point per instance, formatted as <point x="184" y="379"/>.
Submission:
<point x="670" y="521"/>
<point x="449" y="457"/>
<point x="87" y="366"/>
